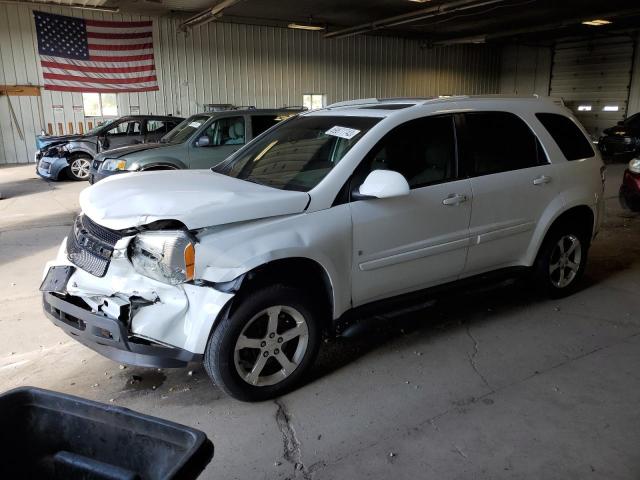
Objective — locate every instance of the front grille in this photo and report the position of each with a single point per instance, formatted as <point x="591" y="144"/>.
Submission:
<point x="96" y="164"/>
<point x="90" y="246"/>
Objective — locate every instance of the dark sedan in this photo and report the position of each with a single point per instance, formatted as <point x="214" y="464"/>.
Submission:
<point x="622" y="139"/>
<point x="71" y="155"/>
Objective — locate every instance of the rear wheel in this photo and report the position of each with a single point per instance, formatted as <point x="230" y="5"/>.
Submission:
<point x="79" y="167"/>
<point x="265" y="346"/>
<point x="562" y="260"/>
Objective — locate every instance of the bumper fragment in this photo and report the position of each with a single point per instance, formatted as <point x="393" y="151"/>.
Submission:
<point x="110" y="337"/>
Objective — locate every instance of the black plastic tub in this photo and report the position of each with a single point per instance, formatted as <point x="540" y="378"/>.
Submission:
<point x="51" y="435"/>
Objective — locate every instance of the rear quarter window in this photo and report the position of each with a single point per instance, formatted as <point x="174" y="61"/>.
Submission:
<point x="570" y="139"/>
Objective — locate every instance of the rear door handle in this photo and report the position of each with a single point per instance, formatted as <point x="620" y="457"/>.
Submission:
<point x="541" y="180"/>
<point x="454" y="199"/>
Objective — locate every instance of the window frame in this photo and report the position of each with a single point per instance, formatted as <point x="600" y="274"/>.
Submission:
<point x="100" y="107"/>
<point x="466" y="163"/>
<point x="314" y="94"/>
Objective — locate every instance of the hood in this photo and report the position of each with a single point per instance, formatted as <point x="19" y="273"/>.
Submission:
<point x="197" y="198"/>
<point x="47" y="141"/>
<point x="130" y="149"/>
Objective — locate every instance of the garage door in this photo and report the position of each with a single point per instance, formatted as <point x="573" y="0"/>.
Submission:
<point x="593" y="79"/>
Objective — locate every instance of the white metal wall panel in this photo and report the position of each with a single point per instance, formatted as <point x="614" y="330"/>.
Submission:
<point x="525" y="70"/>
<point x="634" y="94"/>
<point x="595" y="73"/>
<point x="240" y="64"/>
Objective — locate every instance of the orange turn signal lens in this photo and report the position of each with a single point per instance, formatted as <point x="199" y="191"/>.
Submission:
<point x="190" y="261"/>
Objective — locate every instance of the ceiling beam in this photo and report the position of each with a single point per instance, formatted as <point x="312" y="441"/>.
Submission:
<point x="79" y="6"/>
<point x="422" y="14"/>
<point x="210" y="14"/>
<point x="557" y="25"/>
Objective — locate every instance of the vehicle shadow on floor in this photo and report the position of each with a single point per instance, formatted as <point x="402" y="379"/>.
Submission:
<point x="25" y="187"/>
<point x="462" y="308"/>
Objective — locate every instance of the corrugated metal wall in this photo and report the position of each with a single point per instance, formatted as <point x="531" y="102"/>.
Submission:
<point x="634" y="94"/>
<point x="525" y="70"/>
<point x="597" y="74"/>
<point x="239" y="64"/>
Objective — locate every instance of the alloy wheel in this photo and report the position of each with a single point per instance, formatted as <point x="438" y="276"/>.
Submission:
<point x="271" y="345"/>
<point x="564" y="263"/>
<point x="80" y="168"/>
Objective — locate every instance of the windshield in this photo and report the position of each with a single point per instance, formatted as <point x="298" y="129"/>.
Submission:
<point x="96" y="130"/>
<point x="185" y="129"/>
<point x="298" y="153"/>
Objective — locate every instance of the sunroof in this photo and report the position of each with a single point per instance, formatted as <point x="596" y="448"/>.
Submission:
<point x="388" y="106"/>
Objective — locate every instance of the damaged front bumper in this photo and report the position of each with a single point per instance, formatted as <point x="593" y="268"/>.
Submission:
<point x="51" y="167"/>
<point x="131" y="318"/>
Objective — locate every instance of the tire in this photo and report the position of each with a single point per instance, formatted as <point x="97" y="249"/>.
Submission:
<point x="232" y="367"/>
<point x="556" y="273"/>
<point x="79" y="167"/>
<point x="628" y="201"/>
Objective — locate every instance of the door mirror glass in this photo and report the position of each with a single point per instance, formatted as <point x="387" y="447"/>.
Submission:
<point x="384" y="184"/>
<point x="203" y="141"/>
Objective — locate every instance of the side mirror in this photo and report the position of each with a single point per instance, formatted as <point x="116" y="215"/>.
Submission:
<point x="384" y="184"/>
<point x="621" y="122"/>
<point x="203" y="141"/>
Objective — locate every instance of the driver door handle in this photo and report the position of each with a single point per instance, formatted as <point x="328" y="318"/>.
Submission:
<point x="541" y="180"/>
<point x="454" y="199"/>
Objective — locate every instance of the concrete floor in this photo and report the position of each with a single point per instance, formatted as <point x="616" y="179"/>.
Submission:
<point x="494" y="384"/>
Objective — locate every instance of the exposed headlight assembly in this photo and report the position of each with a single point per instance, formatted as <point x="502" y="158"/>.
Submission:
<point x="634" y="165"/>
<point x="167" y="255"/>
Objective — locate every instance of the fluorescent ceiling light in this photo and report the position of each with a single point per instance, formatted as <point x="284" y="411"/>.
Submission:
<point x="598" y="22"/>
<point x="305" y="26"/>
<point x="584" y="108"/>
<point x="611" y="108"/>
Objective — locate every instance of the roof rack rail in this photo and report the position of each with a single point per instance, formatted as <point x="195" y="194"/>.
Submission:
<point x="361" y="101"/>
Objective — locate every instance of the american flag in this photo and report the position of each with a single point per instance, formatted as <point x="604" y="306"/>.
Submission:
<point x="81" y="55"/>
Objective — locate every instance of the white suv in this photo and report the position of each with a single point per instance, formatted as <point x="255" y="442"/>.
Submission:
<point x="246" y="267"/>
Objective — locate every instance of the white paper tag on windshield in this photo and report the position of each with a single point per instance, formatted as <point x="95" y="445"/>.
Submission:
<point x="342" y="132"/>
<point x="195" y="124"/>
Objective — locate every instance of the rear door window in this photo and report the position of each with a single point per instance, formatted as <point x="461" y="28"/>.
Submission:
<point x="262" y="123"/>
<point x="500" y="142"/>
<point x="571" y="141"/>
<point x="125" y="128"/>
<point x="158" y="127"/>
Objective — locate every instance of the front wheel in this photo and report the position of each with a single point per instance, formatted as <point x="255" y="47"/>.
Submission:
<point x="562" y="260"/>
<point x="79" y="167"/>
<point x="266" y="345"/>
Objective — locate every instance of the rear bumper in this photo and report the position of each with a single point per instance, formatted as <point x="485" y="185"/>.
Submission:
<point x="109" y="337"/>
<point x="615" y="145"/>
